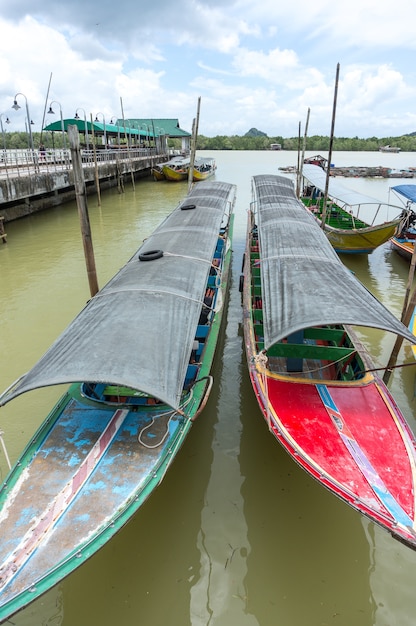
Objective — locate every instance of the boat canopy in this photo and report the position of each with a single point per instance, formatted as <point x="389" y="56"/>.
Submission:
<point x="344" y="197"/>
<point x="407" y="191"/>
<point x="139" y="329"/>
<point x="304" y="283"/>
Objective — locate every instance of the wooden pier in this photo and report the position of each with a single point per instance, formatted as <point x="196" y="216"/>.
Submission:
<point x="27" y="188"/>
<point x="3" y="235"/>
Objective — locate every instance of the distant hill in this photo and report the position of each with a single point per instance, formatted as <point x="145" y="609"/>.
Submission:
<point x="253" y="132"/>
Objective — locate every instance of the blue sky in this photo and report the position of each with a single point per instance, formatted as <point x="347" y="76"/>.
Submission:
<point x="254" y="64"/>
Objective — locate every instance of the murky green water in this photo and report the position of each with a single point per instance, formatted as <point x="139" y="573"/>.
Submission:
<point x="237" y="534"/>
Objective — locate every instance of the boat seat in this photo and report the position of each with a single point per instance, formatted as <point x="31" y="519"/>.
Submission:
<point x="202" y="332"/>
<point x="191" y="373"/>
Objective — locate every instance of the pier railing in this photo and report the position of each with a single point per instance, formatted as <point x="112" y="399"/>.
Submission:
<point x="26" y="161"/>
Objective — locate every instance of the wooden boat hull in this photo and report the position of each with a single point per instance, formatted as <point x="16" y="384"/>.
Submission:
<point x="347" y="232"/>
<point x="317" y="388"/>
<point x="157" y="173"/>
<point x="175" y="175"/>
<point x="404" y="247"/>
<point x="320" y="426"/>
<point x="92" y="464"/>
<point x="360" y="241"/>
<point x="198" y="175"/>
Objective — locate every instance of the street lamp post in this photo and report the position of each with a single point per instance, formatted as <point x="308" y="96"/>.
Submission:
<point x="76" y="117"/>
<point x="160" y="136"/>
<point x="52" y="112"/>
<point x="118" y="129"/>
<point x="2" y="129"/>
<point x="16" y="107"/>
<point x="105" y="133"/>
<point x="147" y="132"/>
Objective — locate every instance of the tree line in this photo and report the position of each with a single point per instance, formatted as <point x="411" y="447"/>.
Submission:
<point x="315" y="143"/>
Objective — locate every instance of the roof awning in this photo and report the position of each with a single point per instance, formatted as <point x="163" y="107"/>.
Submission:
<point x="138" y="330"/>
<point x="304" y="283"/>
<point x="99" y="128"/>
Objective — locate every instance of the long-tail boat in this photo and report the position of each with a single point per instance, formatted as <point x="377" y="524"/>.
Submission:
<point x="403" y="241"/>
<point x="349" y="218"/>
<point x="138" y="360"/>
<point x="315" y="383"/>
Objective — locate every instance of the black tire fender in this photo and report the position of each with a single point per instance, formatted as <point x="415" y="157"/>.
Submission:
<point x="150" y="255"/>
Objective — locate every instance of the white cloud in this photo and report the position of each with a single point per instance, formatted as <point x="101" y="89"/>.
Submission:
<point x="254" y="64"/>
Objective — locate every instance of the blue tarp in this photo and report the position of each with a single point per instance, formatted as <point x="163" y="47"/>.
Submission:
<point x="408" y="191"/>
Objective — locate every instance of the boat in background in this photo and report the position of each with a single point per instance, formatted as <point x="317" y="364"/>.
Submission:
<point x="176" y="169"/>
<point x="138" y="360"/>
<point x="347" y="231"/>
<point x="203" y="168"/>
<point x="157" y="171"/>
<point x="403" y="241"/>
<point x="388" y="148"/>
<point x="315" y="383"/>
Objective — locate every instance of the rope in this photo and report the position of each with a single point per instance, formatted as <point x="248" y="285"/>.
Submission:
<point x="323" y="367"/>
<point x="262" y="359"/>
<point x="3" y="445"/>
<point x="173" y="413"/>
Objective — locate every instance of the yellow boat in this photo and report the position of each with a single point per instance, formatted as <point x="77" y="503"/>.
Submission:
<point x="347" y="232"/>
<point x="157" y="171"/>
<point x="204" y="168"/>
<point x="176" y="169"/>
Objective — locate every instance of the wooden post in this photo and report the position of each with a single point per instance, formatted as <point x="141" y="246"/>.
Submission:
<point x="300" y="168"/>
<point x="128" y="146"/>
<point x="331" y="141"/>
<point x="193" y="147"/>
<point x="94" y="151"/>
<point x="3" y="235"/>
<point x="81" y="198"/>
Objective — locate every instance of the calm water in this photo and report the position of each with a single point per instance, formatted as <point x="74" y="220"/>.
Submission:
<point x="237" y="534"/>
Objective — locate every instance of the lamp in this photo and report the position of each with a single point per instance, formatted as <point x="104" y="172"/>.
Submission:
<point x="30" y="122"/>
<point x="52" y="112"/>
<point x="105" y="133"/>
<point x="76" y="116"/>
<point x="2" y="129"/>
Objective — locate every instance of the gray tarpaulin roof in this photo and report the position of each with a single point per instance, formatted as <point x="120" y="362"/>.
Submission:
<point x="336" y="191"/>
<point x="304" y="283"/>
<point x="139" y="329"/>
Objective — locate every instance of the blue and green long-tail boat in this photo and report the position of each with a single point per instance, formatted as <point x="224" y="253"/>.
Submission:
<point x="138" y="360"/>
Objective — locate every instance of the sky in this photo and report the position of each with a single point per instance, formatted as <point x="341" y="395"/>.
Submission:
<point x="253" y="64"/>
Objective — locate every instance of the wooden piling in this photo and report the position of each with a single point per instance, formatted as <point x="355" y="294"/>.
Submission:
<point x="3" y="235"/>
<point x="81" y="198"/>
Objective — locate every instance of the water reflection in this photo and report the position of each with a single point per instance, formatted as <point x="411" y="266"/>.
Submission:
<point x="392" y="590"/>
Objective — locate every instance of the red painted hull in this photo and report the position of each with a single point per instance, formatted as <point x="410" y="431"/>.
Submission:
<point x="365" y="417"/>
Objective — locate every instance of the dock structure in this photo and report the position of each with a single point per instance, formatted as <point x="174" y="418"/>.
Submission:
<point x="3" y="235"/>
<point x="28" y="184"/>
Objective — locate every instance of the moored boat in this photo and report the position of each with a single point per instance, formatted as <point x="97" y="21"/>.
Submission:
<point x="314" y="381"/>
<point x="176" y="169"/>
<point x="157" y="171"/>
<point x="388" y="148"/>
<point x="203" y="168"/>
<point x="138" y="360"/>
<point x="347" y="230"/>
<point x="403" y="241"/>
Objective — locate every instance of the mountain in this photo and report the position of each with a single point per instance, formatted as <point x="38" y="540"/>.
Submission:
<point x="253" y="132"/>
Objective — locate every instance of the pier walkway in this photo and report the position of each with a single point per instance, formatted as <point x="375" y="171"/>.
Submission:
<point x="31" y="181"/>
